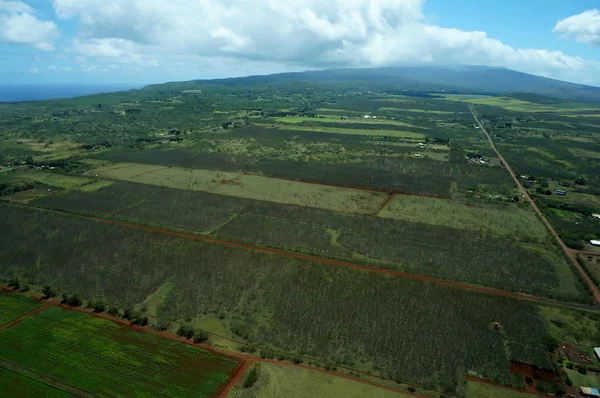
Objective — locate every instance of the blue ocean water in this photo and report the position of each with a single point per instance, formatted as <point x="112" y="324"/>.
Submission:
<point x="31" y="92"/>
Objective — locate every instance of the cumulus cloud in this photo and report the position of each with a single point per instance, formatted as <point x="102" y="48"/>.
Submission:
<point x="52" y="67"/>
<point x="34" y="71"/>
<point x="19" y="26"/>
<point x="311" y="33"/>
<point x="66" y="69"/>
<point x="584" y="27"/>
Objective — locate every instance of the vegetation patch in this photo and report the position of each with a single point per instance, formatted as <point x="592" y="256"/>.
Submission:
<point x="110" y="359"/>
<point x="16" y="385"/>
<point x="15" y="305"/>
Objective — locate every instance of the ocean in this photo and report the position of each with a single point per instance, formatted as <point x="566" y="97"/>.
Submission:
<point x="31" y="92"/>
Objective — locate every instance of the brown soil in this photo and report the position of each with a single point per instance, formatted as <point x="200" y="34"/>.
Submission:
<point x="573" y="354"/>
<point x="591" y="286"/>
<point x="234" y="378"/>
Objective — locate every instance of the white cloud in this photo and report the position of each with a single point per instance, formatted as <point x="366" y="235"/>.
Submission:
<point x="52" y="67"/>
<point x="312" y="33"/>
<point x="18" y="26"/>
<point x="34" y="70"/>
<point x="14" y="6"/>
<point x="80" y="59"/>
<point x="66" y="69"/>
<point x="584" y="27"/>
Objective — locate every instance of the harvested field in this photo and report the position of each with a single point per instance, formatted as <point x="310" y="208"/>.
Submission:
<point x="111" y="360"/>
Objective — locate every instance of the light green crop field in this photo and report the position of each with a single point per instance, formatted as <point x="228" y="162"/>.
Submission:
<point x="399" y="108"/>
<point x="500" y="220"/>
<point x="582" y="380"/>
<point x="482" y="390"/>
<point x="298" y="120"/>
<point x="94" y="186"/>
<point x="418" y="137"/>
<point x="56" y="180"/>
<point x="14" y="305"/>
<point x="284" y="381"/>
<point x="96" y="355"/>
<point x="18" y="386"/>
<point x="585" y="153"/>
<point x="252" y="187"/>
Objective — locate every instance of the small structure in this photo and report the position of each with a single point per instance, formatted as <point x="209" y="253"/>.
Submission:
<point x="417" y="155"/>
<point x="560" y="192"/>
<point x="597" y="351"/>
<point x="595" y="243"/>
<point x="596" y="216"/>
<point x="367" y="117"/>
<point x="589" y="392"/>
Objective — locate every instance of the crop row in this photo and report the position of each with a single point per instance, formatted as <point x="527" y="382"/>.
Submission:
<point x="407" y="330"/>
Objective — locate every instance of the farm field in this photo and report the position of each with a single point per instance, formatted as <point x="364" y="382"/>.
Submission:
<point x="283" y="381"/>
<point x="405" y="135"/>
<point x="475" y="389"/>
<point x="111" y="360"/>
<point x="370" y="123"/>
<point x="15" y="385"/>
<point x="251" y="187"/>
<point x="360" y="239"/>
<point x="278" y="302"/>
<point x="499" y="219"/>
<point x="14" y="305"/>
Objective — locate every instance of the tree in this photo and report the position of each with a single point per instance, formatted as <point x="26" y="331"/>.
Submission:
<point x="14" y="283"/>
<point x="48" y="292"/>
<point x="186" y="331"/>
<point x="582" y="370"/>
<point x="200" y="337"/>
<point x="113" y="310"/>
<point x="97" y="305"/>
<point x="252" y="377"/>
<point x="128" y="314"/>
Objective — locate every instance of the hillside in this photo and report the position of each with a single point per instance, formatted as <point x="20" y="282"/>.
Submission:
<point x="471" y="79"/>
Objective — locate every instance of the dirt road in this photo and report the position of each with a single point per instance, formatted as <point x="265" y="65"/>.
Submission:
<point x="592" y="287"/>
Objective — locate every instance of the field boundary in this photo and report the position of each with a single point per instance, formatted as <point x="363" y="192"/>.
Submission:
<point x="234" y="378"/>
<point x="18" y="319"/>
<point x="232" y="355"/>
<point x="47" y="380"/>
<point x="591" y="285"/>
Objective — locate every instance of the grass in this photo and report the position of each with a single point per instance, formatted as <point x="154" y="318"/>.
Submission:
<point x="158" y="298"/>
<point x="276" y="381"/>
<point x="378" y="133"/>
<point x="19" y="386"/>
<point x="94" y="186"/>
<point x="495" y="219"/>
<point x="585" y="153"/>
<point x="433" y="112"/>
<point x="482" y="390"/>
<point x="15" y="305"/>
<point x="251" y="187"/>
<point x="98" y="356"/>
<point x="590" y="379"/>
<point x="574" y="327"/>
<point x="56" y="180"/>
<point x="307" y="120"/>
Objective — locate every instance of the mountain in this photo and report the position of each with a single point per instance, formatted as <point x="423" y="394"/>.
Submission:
<point x="462" y="78"/>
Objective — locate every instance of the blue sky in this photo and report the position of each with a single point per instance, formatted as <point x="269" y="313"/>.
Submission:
<point x="151" y="41"/>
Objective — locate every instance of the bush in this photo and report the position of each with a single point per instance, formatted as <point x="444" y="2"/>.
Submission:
<point x="568" y="381"/>
<point x="14" y="283"/>
<point x="570" y="365"/>
<point x="186" y="331"/>
<point x="97" y="305"/>
<point x="113" y="310"/>
<point x="71" y="301"/>
<point x="161" y="325"/>
<point x="128" y="314"/>
<point x="200" y="337"/>
<point x="297" y="360"/>
<point x="48" y="292"/>
<point x="412" y="389"/>
<point x="252" y="377"/>
<point x="582" y="370"/>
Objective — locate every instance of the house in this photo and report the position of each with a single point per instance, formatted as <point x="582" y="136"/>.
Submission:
<point x="596" y="216"/>
<point x="367" y="117"/>
<point x="417" y="155"/>
<point x="597" y="351"/>
<point x="589" y="392"/>
<point x="560" y="192"/>
<point x="595" y="242"/>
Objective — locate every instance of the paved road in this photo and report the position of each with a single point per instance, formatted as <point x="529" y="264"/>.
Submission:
<point x="593" y="288"/>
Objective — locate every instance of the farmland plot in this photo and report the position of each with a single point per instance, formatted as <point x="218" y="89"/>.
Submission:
<point x="340" y="315"/>
<point x="16" y="385"/>
<point x="111" y="360"/>
<point x="14" y="305"/>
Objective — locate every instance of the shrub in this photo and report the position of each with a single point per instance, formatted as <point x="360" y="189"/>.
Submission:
<point x="72" y="301"/>
<point x="582" y="370"/>
<point x="186" y="331"/>
<point x="252" y="377"/>
<point x="161" y="325"/>
<point x="97" y="305"/>
<point x="113" y="310"/>
<point x="14" y="283"/>
<point x="412" y="389"/>
<point x="570" y="365"/>
<point x="200" y="337"/>
<point x="48" y="292"/>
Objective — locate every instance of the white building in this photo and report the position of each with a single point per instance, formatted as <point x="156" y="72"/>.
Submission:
<point x="595" y="242"/>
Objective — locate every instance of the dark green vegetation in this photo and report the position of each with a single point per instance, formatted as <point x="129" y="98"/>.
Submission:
<point x="282" y="303"/>
<point x="18" y="386"/>
<point x="14" y="305"/>
<point x="530" y="266"/>
<point x="96" y="355"/>
<point x="357" y="129"/>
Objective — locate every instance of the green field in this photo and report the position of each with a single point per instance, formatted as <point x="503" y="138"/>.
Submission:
<point x="250" y="186"/>
<point x="372" y="122"/>
<point x="18" y="386"/>
<point x="482" y="390"/>
<point x="276" y="381"/>
<point x="15" y="305"/>
<point x="96" y="355"/>
<point x="499" y="219"/>
<point x="56" y="180"/>
<point x="406" y="135"/>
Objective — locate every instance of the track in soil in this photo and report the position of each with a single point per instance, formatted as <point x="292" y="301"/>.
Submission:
<point x="333" y="262"/>
<point x="591" y="285"/>
<point x="235" y="378"/>
<point x="18" y="320"/>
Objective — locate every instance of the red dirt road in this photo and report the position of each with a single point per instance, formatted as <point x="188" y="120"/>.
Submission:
<point x="18" y="320"/>
<point x="326" y="261"/>
<point x="235" y="378"/>
<point x="592" y="287"/>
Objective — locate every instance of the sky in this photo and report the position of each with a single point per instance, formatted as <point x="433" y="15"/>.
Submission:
<point x="154" y="41"/>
